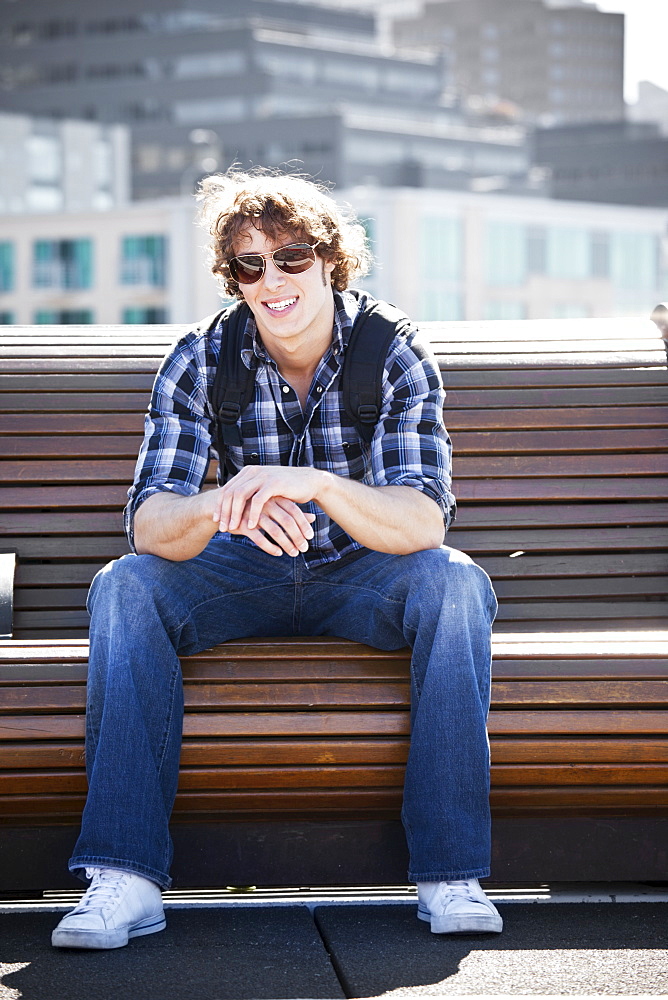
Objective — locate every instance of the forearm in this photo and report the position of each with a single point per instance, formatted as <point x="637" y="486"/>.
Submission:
<point x="174" y="526"/>
<point x="396" y="519"/>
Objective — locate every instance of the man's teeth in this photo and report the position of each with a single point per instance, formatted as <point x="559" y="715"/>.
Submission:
<point x="278" y="306"/>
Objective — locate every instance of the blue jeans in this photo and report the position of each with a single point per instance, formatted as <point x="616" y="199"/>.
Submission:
<point x="145" y="610"/>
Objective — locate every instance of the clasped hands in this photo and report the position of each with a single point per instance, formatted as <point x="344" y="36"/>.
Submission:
<point x="261" y="502"/>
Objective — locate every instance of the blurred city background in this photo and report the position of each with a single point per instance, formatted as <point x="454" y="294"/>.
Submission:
<point x="503" y="163"/>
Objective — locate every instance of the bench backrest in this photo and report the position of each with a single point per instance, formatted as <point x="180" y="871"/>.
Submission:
<point x="560" y="433"/>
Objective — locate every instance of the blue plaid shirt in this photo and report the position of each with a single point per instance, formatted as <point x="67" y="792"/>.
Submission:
<point x="410" y="446"/>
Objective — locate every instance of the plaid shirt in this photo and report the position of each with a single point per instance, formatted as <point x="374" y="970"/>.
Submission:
<point x="410" y="446"/>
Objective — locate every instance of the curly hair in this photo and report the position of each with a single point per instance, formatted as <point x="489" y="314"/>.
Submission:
<point x="281" y="206"/>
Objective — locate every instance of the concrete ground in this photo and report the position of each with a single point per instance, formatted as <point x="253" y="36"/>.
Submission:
<point x="270" y="945"/>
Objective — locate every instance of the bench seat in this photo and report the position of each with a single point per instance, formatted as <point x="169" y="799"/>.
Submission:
<point x="294" y="749"/>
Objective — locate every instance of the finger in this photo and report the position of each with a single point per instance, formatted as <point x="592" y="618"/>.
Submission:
<point x="281" y="537"/>
<point x="257" y="502"/>
<point x="297" y="528"/>
<point x="239" y="500"/>
<point x="264" y="543"/>
<point x="302" y="519"/>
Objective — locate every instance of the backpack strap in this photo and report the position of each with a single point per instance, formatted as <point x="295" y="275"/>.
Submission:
<point x="373" y="331"/>
<point x="234" y="383"/>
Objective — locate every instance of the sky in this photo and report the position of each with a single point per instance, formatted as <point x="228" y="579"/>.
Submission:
<point x="646" y="55"/>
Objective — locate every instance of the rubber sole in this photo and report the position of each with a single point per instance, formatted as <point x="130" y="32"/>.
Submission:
<point x="64" y="937"/>
<point x="484" y="923"/>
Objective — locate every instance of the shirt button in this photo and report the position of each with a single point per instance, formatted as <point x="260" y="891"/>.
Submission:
<point x="286" y="389"/>
<point x="319" y="389"/>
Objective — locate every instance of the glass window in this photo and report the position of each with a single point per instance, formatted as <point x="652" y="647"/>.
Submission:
<point x="570" y="310"/>
<point x="441" y="249"/>
<point x="633" y="259"/>
<point x="64" y="316"/>
<point x="536" y="250"/>
<point x="44" y="158"/>
<point x="63" y="264"/>
<point x="436" y="304"/>
<point x="212" y="109"/>
<point x="205" y="64"/>
<point x="505" y="253"/>
<point x="568" y="253"/>
<point x="6" y="267"/>
<point x="144" y="260"/>
<point x="151" y="314"/>
<point x="505" y="310"/>
<point x="600" y="255"/>
<point x="40" y="198"/>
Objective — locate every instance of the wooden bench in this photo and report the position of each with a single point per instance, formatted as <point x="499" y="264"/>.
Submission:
<point x="293" y="750"/>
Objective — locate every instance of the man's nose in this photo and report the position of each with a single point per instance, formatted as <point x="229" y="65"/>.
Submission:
<point x="273" y="276"/>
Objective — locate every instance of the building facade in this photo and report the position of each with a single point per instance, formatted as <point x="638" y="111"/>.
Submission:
<point x="558" y="64"/>
<point x="209" y="83"/>
<point x="65" y="165"/>
<point x="623" y="162"/>
<point x="439" y="255"/>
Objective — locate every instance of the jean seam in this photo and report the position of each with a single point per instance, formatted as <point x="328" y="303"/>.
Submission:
<point x="228" y="594"/>
<point x="170" y="716"/>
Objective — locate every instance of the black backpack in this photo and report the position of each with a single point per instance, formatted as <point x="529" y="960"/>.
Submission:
<point x="233" y="387"/>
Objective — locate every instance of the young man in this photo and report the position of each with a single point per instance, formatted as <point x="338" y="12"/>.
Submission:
<point x="311" y="531"/>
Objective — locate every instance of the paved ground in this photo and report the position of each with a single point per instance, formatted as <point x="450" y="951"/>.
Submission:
<point x="301" y="948"/>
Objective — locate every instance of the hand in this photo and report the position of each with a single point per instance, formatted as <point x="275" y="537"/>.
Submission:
<point x="243" y="499"/>
<point x="282" y="527"/>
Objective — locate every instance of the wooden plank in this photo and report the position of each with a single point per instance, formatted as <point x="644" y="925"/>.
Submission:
<point x="85" y="366"/>
<point x="65" y="522"/>
<point x="574" y="611"/>
<point x="122" y="382"/>
<point x="235" y="753"/>
<point x="568" y="565"/>
<point x="556" y="441"/>
<point x="578" y="751"/>
<point x="74" y="402"/>
<point x="71" y="424"/>
<point x="568" y="489"/>
<point x="61" y="447"/>
<point x="595" y="586"/>
<point x="554" y="539"/>
<point x="543" y="515"/>
<point x="579" y="417"/>
<point x="518" y="375"/>
<point x="587" y="798"/>
<point x="581" y="693"/>
<point x="520" y="361"/>
<point x="532" y="398"/>
<point x="619" y="464"/>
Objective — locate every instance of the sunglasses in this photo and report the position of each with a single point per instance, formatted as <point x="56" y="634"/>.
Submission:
<point x="248" y="268"/>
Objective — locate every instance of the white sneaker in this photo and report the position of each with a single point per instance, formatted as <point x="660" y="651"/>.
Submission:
<point x="457" y="908"/>
<point x="117" y="906"/>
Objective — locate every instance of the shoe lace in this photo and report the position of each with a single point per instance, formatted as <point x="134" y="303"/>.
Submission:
<point x="103" y="890"/>
<point x="462" y="890"/>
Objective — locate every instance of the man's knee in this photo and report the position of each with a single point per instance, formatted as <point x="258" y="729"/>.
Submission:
<point x="131" y="580"/>
<point x="446" y="573"/>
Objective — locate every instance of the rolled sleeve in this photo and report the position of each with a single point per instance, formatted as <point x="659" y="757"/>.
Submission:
<point x="411" y="446"/>
<point x="175" y="452"/>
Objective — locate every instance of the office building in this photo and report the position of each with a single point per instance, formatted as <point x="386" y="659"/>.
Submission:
<point x="52" y="166"/>
<point x="623" y="162"/>
<point x="439" y="255"/>
<point x="207" y="83"/>
<point x="555" y="63"/>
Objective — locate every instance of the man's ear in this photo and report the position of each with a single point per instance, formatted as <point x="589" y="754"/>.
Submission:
<point x="327" y="271"/>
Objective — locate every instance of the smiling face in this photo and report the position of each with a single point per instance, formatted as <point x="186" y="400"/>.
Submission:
<point x="294" y="312"/>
